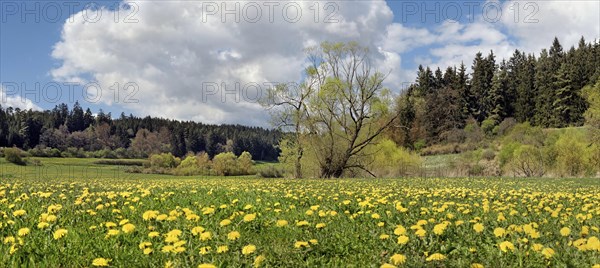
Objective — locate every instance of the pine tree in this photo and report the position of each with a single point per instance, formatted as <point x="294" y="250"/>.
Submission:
<point x="425" y="82"/>
<point x="75" y="120"/>
<point x="545" y="94"/>
<point x="88" y="118"/>
<point x="464" y="91"/>
<point x="498" y="95"/>
<point x="481" y="84"/>
<point x="568" y="104"/>
<point x="524" y="102"/>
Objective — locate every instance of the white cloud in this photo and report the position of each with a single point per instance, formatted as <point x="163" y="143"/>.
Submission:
<point x="174" y="51"/>
<point x="8" y="99"/>
<point x="171" y="53"/>
<point x="536" y="26"/>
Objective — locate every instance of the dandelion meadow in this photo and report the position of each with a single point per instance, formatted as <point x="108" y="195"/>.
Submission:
<point x="242" y="222"/>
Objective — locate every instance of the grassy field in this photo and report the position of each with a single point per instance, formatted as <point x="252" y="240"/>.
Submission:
<point x="79" y="214"/>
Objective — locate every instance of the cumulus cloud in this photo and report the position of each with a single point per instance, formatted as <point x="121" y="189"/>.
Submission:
<point x="538" y="22"/>
<point x="179" y="52"/>
<point x="8" y="99"/>
<point x="194" y="62"/>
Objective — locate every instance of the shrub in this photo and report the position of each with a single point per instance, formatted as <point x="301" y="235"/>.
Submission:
<point x="245" y="163"/>
<point x="571" y="158"/>
<point x="74" y="152"/>
<point x="224" y="164"/>
<point x="528" y="161"/>
<point x="164" y="160"/>
<point x="506" y="126"/>
<point x="14" y="155"/>
<point x="506" y="153"/>
<point x="193" y="165"/>
<point x="389" y="160"/>
<point x="488" y="154"/>
<point x="476" y="170"/>
<point x="488" y="126"/>
<point x="42" y="151"/>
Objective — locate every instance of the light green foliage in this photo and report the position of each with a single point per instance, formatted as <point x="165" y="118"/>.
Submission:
<point x="13" y="155"/>
<point x="245" y="163"/>
<point x="528" y="161"/>
<point x="194" y="165"/>
<point x="573" y="154"/>
<point x="224" y="164"/>
<point x="164" y="160"/>
<point x="592" y="115"/>
<point x="390" y="160"/>
<point x="488" y="126"/>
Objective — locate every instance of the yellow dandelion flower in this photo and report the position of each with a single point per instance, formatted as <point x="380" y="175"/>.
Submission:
<point x="478" y="227"/>
<point x="204" y="250"/>
<point x="43" y="225"/>
<point x="205" y="236"/>
<point x="207" y="265"/>
<point x="506" y="246"/>
<point x="499" y="232"/>
<point x="197" y="230"/>
<point x="249" y="249"/>
<point x="225" y="222"/>
<point x="19" y="213"/>
<point x="222" y="249"/>
<point x="548" y="253"/>
<point x="439" y="229"/>
<point x="233" y="235"/>
<point x="23" y="231"/>
<point x="153" y="234"/>
<point x="421" y="233"/>
<point x="398" y="259"/>
<point x="100" y="262"/>
<point x="9" y="239"/>
<point x="60" y="233"/>
<point x="436" y="257"/>
<point x="281" y="223"/>
<point x="144" y="245"/>
<point x="320" y="225"/>
<point x="565" y="231"/>
<point x="302" y="223"/>
<point x="259" y="260"/>
<point x="537" y="247"/>
<point x="249" y="217"/>
<point x="128" y="228"/>
<point x="402" y="239"/>
<point x="400" y="230"/>
<point x="300" y="244"/>
<point x="477" y="265"/>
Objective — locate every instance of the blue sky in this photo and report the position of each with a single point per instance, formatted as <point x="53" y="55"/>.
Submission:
<point x="169" y="67"/>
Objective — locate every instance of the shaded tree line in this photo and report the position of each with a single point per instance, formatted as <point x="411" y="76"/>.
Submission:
<point x="77" y="129"/>
<point x="544" y="90"/>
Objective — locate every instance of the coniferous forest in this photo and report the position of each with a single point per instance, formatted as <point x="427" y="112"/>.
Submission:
<point x="542" y="89"/>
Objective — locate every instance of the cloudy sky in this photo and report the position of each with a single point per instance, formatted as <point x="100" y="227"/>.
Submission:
<point x="208" y="60"/>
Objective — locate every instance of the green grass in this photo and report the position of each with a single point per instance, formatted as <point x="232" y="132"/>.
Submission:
<point x="356" y="212"/>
